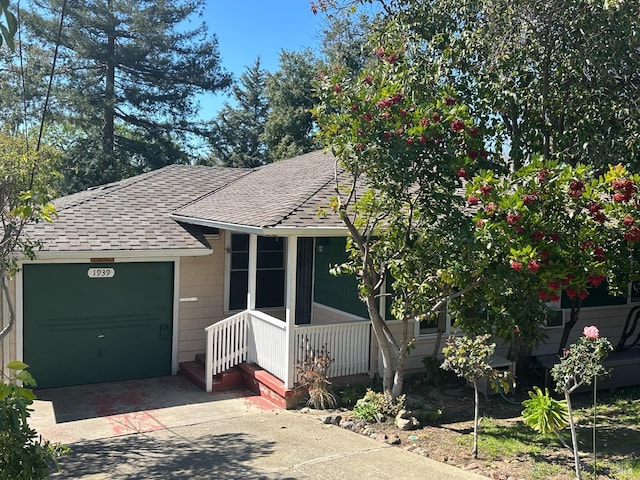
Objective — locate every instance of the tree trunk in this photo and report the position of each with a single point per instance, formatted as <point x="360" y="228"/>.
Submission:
<point x="476" y="400"/>
<point x="574" y="439"/>
<point x="398" y="378"/>
<point x="575" y="312"/>
<point x="381" y="331"/>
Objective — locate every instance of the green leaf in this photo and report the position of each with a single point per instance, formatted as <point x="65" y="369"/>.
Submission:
<point x="17" y="365"/>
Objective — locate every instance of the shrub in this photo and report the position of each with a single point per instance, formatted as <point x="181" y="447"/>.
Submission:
<point x="375" y="404"/>
<point x="433" y="373"/>
<point x="23" y="455"/>
<point x="312" y="373"/>
<point x="544" y="413"/>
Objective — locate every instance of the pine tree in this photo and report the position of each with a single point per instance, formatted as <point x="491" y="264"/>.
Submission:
<point x="124" y="97"/>
<point x="236" y="140"/>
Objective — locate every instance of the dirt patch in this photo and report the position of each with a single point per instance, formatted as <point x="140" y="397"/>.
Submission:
<point x="509" y="450"/>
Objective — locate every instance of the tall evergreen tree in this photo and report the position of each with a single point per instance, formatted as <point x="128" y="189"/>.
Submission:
<point x="236" y="139"/>
<point x="289" y="127"/>
<point x="125" y="90"/>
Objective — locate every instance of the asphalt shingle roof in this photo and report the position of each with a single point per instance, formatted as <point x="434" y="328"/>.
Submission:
<point x="133" y="214"/>
<point x="286" y="193"/>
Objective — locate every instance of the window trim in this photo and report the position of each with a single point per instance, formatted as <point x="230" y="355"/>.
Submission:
<point x="228" y="271"/>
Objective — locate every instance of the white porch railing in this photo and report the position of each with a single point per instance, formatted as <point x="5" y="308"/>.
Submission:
<point x="348" y="345"/>
<point x="226" y="345"/>
<point x="256" y="337"/>
<point x="267" y="344"/>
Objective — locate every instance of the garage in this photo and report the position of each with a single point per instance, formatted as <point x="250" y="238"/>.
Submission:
<point x="97" y="322"/>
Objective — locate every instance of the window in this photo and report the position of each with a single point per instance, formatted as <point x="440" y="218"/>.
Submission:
<point x="554" y="319"/>
<point x="430" y="326"/>
<point x="270" y="275"/>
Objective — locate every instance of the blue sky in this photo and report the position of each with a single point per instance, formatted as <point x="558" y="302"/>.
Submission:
<point x="247" y="29"/>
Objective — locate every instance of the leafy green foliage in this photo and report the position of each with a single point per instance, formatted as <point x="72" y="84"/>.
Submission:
<point x="581" y="363"/>
<point x="560" y="228"/>
<point x="403" y="141"/>
<point x="9" y="28"/>
<point x="376" y="405"/>
<point x="469" y="359"/>
<point x="522" y="69"/>
<point x="544" y="413"/>
<point x="23" y="456"/>
<point x="25" y="192"/>
<point x="289" y="127"/>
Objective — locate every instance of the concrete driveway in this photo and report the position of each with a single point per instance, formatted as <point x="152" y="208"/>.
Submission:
<point x="165" y="428"/>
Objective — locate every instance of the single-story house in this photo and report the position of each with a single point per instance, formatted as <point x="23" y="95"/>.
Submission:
<point x="137" y="277"/>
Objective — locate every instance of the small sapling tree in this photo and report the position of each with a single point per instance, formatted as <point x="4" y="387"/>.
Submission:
<point x="469" y="359"/>
<point x="580" y="365"/>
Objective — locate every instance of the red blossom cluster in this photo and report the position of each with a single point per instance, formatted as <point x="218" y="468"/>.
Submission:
<point x="623" y="188"/>
<point x="576" y="189"/>
<point x="450" y="101"/>
<point x="596" y="280"/>
<point x="632" y="235"/>
<point x="595" y="209"/>
<point x="573" y="293"/>
<point x="389" y="57"/>
<point x="530" y="198"/>
<point x="390" y="101"/>
<point x="542" y="175"/>
<point x="513" y="218"/>
<point x="486" y="189"/>
<point x="457" y="125"/>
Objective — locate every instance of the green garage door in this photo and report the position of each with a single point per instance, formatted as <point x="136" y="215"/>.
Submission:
<point x="90" y="323"/>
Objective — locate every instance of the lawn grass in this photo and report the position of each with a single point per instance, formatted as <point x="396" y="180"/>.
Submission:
<point x="617" y="439"/>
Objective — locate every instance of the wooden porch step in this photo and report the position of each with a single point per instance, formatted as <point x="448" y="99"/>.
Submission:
<point x="194" y="371"/>
<point x="249" y="375"/>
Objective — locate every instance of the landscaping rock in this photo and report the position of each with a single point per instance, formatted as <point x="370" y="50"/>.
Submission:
<point x="404" y="421"/>
<point x="381" y="437"/>
<point x="349" y="425"/>
<point x="394" y="441"/>
<point x="331" y="419"/>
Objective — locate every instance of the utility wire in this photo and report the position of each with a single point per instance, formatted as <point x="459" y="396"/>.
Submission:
<point x="48" y="96"/>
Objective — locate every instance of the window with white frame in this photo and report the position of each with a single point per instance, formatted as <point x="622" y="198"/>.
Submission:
<point x="440" y="321"/>
<point x="270" y="272"/>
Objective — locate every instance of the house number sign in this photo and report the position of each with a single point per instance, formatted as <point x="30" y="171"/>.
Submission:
<point x="101" y="272"/>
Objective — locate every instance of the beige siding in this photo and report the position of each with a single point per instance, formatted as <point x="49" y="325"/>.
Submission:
<point x="202" y="292"/>
<point x="609" y="320"/>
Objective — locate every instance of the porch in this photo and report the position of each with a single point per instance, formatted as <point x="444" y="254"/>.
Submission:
<point x="268" y="352"/>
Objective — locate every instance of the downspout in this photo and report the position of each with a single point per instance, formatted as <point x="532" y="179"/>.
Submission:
<point x="290" y="300"/>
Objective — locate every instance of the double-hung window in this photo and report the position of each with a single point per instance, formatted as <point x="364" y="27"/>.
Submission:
<point x="270" y="272"/>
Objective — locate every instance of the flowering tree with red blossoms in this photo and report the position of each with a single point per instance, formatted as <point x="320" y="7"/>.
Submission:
<point x="402" y="141"/>
<point x="565" y="229"/>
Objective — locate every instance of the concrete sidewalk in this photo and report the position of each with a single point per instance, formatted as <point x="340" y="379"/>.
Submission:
<point x="165" y="428"/>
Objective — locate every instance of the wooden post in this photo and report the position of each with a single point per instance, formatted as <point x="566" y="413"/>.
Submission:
<point x="253" y="268"/>
<point x="290" y="304"/>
